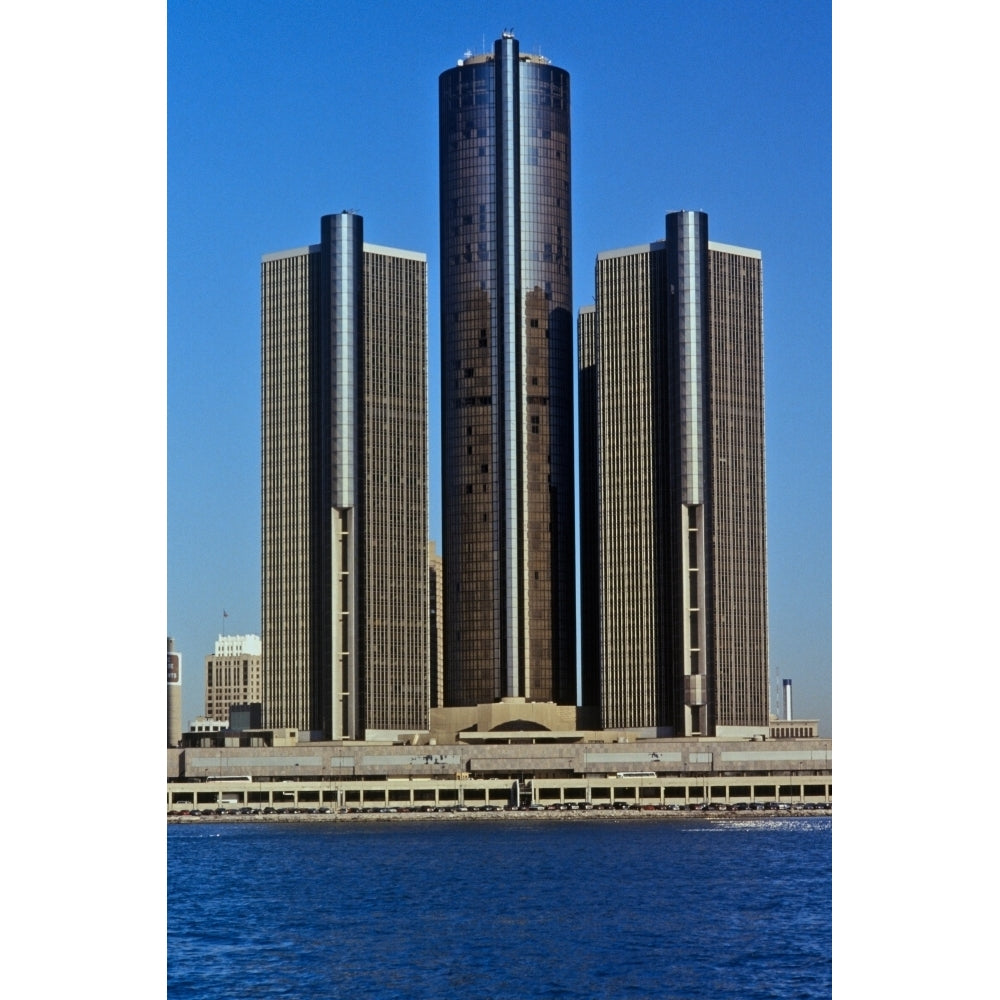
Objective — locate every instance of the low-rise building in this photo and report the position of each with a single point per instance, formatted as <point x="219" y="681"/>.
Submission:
<point x="232" y="674"/>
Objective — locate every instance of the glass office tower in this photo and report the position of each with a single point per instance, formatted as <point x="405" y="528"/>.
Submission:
<point x="672" y="495"/>
<point x="344" y="487"/>
<point x="507" y="379"/>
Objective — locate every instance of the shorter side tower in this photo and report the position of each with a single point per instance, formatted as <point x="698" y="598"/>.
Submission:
<point x="672" y="494"/>
<point x="344" y="487"/>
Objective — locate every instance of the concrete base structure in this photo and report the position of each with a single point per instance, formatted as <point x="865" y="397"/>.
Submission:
<point x="613" y="774"/>
<point x="513" y="753"/>
<point x="497" y="794"/>
<point x="651" y="764"/>
<point x="509" y="718"/>
<point x="793" y="729"/>
<point x="242" y="738"/>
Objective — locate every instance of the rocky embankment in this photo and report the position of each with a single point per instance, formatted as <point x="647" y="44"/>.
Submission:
<point x="487" y="816"/>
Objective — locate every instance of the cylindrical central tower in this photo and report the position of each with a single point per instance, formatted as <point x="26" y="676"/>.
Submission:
<point x="507" y="379"/>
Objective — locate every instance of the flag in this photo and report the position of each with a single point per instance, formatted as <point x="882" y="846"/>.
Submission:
<point x="225" y="614"/>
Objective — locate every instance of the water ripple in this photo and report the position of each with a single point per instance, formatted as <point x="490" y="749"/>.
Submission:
<point x="673" y="911"/>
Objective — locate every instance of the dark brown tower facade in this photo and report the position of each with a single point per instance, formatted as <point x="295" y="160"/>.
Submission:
<point x="507" y="379"/>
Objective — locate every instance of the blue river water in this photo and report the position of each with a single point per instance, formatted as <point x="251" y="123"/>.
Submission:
<point x="616" y="908"/>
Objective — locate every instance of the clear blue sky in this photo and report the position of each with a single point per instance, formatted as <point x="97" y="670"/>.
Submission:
<point x="279" y="113"/>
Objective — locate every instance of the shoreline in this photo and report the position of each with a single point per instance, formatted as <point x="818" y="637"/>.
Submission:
<point x="505" y="815"/>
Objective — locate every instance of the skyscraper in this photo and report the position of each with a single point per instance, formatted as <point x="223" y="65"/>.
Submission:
<point x="344" y="486"/>
<point x="507" y="379"/>
<point x="673" y="515"/>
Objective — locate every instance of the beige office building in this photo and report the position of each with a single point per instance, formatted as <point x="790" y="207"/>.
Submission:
<point x="232" y="674"/>
<point x="344" y="487"/>
<point x="673" y="549"/>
